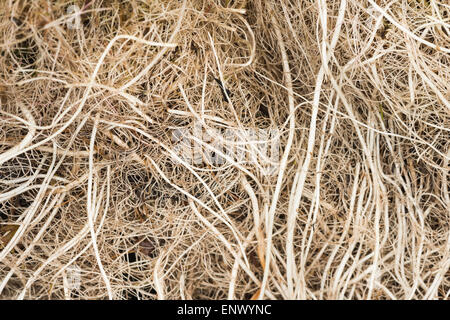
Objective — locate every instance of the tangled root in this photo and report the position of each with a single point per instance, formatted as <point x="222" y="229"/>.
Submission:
<point x="99" y="200"/>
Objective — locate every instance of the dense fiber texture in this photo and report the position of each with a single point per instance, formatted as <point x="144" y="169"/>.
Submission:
<point x="96" y="202"/>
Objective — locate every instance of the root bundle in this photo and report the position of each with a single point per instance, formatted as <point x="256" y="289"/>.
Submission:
<point x="119" y="179"/>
